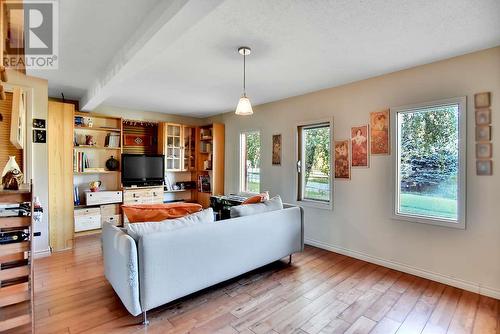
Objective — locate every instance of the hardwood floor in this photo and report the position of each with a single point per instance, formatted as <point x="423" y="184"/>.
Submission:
<point x="322" y="292"/>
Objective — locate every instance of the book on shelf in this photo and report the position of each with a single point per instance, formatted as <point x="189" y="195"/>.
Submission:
<point x="204" y="183"/>
<point x="205" y="147"/>
<point x="76" y="198"/>
<point x="80" y="162"/>
<point x="112" y="140"/>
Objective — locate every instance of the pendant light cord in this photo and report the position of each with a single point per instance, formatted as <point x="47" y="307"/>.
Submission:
<point x="244" y="74"/>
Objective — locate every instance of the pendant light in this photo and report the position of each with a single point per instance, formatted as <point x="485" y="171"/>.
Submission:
<point x="244" y="106"/>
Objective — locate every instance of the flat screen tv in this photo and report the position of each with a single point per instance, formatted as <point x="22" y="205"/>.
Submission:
<point x="142" y="169"/>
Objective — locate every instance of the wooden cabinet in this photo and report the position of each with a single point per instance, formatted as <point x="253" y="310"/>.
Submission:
<point x="170" y="145"/>
<point x="16" y="274"/>
<point x="177" y="142"/>
<point x="60" y="165"/>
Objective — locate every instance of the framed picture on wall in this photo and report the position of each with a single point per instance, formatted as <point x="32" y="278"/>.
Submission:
<point x="342" y="163"/>
<point x="380" y="132"/>
<point x="484" y="150"/>
<point x="483" y="133"/>
<point x="39" y="136"/>
<point x="483" y="116"/>
<point x="38" y="123"/>
<point x="359" y="146"/>
<point x="484" y="167"/>
<point x="482" y="100"/>
<point x="276" y="150"/>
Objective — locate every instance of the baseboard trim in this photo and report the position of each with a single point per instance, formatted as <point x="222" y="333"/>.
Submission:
<point x="458" y="283"/>
<point x="42" y="253"/>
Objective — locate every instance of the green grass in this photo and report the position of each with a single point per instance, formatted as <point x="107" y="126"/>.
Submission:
<point x="317" y="195"/>
<point x="428" y="206"/>
<point x="253" y="187"/>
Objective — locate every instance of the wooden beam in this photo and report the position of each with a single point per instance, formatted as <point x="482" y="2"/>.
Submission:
<point x="166" y="23"/>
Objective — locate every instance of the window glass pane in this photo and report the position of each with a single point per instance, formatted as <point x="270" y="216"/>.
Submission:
<point x="316" y="162"/>
<point x="252" y="162"/>
<point x="428" y="142"/>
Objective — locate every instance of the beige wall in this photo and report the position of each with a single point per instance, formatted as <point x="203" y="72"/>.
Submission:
<point x="360" y="223"/>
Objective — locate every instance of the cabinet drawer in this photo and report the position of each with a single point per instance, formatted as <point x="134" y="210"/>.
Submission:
<point x="103" y="197"/>
<point x="87" y="212"/>
<point x="157" y="195"/>
<point x="110" y="209"/>
<point x="86" y="223"/>
<point x="131" y="195"/>
<point x="113" y="219"/>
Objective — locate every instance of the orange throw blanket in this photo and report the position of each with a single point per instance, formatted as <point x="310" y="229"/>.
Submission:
<point x="157" y="212"/>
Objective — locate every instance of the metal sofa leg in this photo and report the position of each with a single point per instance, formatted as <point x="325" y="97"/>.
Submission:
<point x="145" y="321"/>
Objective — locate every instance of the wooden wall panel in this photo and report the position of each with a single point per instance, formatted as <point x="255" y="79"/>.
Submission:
<point x="60" y="148"/>
<point x="6" y="147"/>
<point x="148" y="139"/>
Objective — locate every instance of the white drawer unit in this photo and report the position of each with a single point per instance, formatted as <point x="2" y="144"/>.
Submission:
<point x="103" y="197"/>
<point x="87" y="219"/>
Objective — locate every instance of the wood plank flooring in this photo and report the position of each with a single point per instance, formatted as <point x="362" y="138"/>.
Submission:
<point x="322" y="292"/>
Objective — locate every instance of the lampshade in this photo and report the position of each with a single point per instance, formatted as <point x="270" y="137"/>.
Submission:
<point x="244" y="106"/>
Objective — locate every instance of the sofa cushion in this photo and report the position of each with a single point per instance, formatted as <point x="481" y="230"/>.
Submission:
<point x="158" y="212"/>
<point x="257" y="198"/>
<point x="137" y="230"/>
<point x="273" y="204"/>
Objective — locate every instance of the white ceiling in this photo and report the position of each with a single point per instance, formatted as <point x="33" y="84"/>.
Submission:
<point x="182" y="56"/>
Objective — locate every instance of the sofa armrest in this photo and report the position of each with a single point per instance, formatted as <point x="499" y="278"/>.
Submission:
<point x="121" y="266"/>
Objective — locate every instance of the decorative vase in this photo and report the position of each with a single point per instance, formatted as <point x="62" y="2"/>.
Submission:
<point x="112" y="164"/>
<point x="11" y="164"/>
<point x="12" y="176"/>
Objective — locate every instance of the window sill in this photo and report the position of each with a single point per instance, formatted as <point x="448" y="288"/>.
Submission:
<point x="315" y="204"/>
<point x="429" y="221"/>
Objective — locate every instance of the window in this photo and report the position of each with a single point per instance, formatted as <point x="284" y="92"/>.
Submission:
<point x="250" y="162"/>
<point x="430" y="155"/>
<point x="314" y="163"/>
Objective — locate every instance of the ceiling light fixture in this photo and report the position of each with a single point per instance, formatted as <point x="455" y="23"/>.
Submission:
<point x="244" y="106"/>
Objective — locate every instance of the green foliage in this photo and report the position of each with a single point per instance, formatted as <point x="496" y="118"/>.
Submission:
<point x="429" y="147"/>
<point x="317" y="141"/>
<point x="253" y="148"/>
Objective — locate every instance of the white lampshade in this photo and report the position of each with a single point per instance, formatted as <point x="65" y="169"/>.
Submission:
<point x="244" y="106"/>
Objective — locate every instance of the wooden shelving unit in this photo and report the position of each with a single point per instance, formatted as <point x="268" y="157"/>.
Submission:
<point x="98" y="153"/>
<point x="16" y="268"/>
<point x="210" y="147"/>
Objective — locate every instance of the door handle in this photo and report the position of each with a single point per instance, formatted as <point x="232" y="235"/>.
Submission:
<point x="299" y="166"/>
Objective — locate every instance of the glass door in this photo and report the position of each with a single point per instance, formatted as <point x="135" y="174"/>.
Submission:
<point x="173" y="154"/>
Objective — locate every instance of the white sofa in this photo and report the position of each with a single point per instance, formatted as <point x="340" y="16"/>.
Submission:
<point x="165" y="266"/>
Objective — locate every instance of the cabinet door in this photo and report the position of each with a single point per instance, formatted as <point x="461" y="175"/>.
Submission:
<point x="173" y="147"/>
<point x="189" y="135"/>
<point x="60" y="178"/>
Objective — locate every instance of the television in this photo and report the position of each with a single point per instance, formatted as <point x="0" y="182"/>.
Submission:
<point x="142" y="170"/>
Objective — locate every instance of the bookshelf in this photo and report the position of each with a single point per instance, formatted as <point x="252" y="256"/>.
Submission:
<point x="96" y="138"/>
<point x="210" y="162"/>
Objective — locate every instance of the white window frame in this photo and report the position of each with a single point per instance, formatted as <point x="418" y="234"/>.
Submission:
<point x="460" y="222"/>
<point x="242" y="160"/>
<point x="298" y="184"/>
